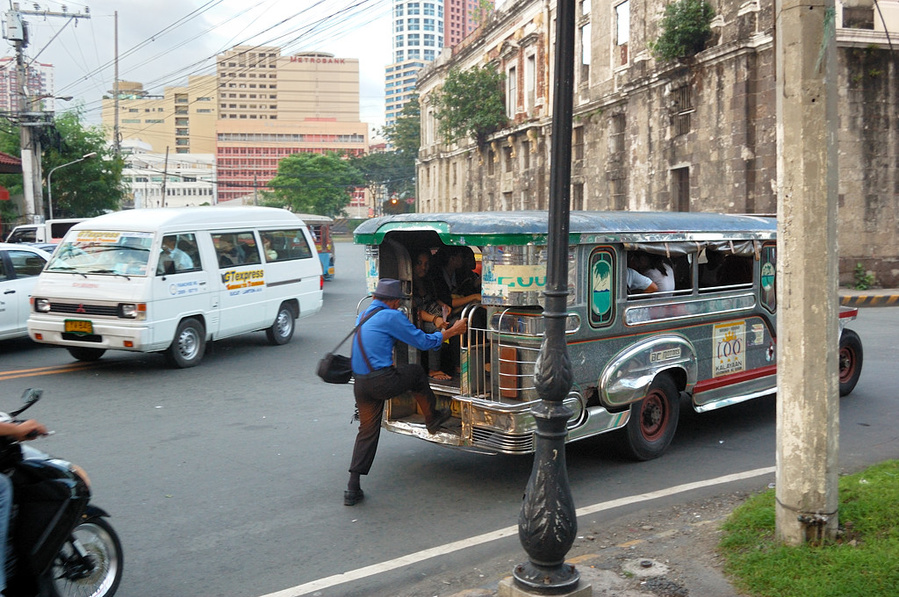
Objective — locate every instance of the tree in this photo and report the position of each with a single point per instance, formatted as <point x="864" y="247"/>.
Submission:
<point x="405" y="133"/>
<point x="686" y="26"/>
<point x="387" y="174"/>
<point x="470" y="104"/>
<point x="88" y="188"/>
<point x="318" y="183"/>
<point x="85" y="189"/>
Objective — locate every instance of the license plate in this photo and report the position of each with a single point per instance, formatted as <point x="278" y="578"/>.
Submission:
<point x="79" y="326"/>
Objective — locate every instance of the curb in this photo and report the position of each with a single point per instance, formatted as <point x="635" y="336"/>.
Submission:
<point x="870" y="300"/>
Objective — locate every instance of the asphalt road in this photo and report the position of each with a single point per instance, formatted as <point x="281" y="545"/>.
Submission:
<point x="227" y="479"/>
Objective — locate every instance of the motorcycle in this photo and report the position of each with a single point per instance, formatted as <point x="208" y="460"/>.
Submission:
<point x="59" y="543"/>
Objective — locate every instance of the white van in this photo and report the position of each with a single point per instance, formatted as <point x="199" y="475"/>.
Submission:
<point x="172" y="279"/>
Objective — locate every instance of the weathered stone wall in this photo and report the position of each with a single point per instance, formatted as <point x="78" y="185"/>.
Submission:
<point x="694" y="136"/>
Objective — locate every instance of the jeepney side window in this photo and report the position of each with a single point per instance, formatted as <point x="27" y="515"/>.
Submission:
<point x="721" y="270"/>
<point x="602" y="287"/>
<point x="768" y="278"/>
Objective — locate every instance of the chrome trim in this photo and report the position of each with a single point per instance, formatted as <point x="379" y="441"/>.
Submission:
<point x="629" y="373"/>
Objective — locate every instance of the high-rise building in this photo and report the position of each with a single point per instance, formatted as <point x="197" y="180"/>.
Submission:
<point x="260" y="106"/>
<point x="39" y="78"/>
<point x="312" y="96"/>
<point x="421" y="29"/>
<point x="181" y="120"/>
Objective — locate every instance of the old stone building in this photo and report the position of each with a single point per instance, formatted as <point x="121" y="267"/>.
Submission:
<point x="696" y="135"/>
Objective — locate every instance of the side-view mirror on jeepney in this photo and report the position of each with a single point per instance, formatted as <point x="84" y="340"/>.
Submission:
<point x="661" y="306"/>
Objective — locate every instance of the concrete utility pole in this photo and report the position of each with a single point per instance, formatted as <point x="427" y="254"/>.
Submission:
<point x="29" y="119"/>
<point x="807" y="322"/>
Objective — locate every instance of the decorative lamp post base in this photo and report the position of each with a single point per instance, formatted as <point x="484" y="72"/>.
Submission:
<point x="555" y="580"/>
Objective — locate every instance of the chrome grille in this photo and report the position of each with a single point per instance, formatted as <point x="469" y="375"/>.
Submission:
<point x="502" y="442"/>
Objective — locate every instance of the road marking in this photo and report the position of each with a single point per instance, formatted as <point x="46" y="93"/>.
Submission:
<point x="51" y="370"/>
<point x="442" y="550"/>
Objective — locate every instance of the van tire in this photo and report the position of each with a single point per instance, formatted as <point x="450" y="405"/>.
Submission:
<point x="282" y="329"/>
<point x="86" y="353"/>
<point x="851" y="357"/>
<point x="189" y="344"/>
<point x="653" y="420"/>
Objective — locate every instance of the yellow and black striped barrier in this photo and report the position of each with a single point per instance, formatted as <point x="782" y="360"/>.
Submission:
<point x="870" y="300"/>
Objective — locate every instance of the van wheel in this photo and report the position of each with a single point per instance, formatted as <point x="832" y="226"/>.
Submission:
<point x="850" y="361"/>
<point x="282" y="330"/>
<point x="84" y="353"/>
<point x="188" y="346"/>
<point x="653" y="420"/>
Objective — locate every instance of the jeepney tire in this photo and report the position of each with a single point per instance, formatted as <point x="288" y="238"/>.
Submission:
<point x="282" y="329"/>
<point x="189" y="344"/>
<point x="86" y="353"/>
<point x="851" y="357"/>
<point x="653" y="420"/>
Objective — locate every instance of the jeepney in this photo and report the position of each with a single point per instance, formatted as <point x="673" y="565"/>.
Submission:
<point x="711" y="338"/>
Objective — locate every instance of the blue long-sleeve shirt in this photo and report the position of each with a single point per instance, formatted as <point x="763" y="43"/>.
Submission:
<point x="380" y="333"/>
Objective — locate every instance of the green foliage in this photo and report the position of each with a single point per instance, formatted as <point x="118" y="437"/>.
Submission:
<point x="314" y="183"/>
<point x="405" y="133"/>
<point x="85" y="189"/>
<point x="470" y="104"/>
<point x="863" y="279"/>
<point x="88" y="188"/>
<point x="387" y="174"/>
<point x="860" y="562"/>
<point x="686" y="26"/>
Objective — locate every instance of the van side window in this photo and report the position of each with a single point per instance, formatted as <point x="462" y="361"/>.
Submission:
<point x="285" y="245"/>
<point x="723" y="270"/>
<point x="235" y="249"/>
<point x="178" y="255"/>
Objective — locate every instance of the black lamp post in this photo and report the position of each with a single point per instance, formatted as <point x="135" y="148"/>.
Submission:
<point x="547" y="524"/>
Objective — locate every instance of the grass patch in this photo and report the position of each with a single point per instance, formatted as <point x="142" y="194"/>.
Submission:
<point x="862" y="561"/>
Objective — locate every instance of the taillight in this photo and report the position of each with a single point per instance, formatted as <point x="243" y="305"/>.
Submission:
<point x="321" y="282"/>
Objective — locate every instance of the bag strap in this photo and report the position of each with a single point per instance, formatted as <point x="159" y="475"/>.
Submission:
<point x="353" y="331"/>
<point x="358" y="339"/>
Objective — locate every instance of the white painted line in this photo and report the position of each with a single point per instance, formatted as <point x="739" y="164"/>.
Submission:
<point x="420" y="556"/>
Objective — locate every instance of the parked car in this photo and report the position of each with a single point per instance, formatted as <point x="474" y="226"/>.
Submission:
<point x="20" y="266"/>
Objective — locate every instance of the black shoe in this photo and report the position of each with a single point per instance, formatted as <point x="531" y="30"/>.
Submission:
<point x="440" y="417"/>
<point x="351" y="497"/>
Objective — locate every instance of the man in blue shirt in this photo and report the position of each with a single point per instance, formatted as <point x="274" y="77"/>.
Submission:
<point x="378" y="380"/>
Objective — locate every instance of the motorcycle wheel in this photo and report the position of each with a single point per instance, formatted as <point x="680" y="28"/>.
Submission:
<point x="68" y="576"/>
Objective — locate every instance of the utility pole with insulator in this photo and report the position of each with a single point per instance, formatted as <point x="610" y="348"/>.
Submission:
<point x="30" y="117"/>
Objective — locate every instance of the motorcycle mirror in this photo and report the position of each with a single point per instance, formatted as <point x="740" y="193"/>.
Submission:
<point x="29" y="397"/>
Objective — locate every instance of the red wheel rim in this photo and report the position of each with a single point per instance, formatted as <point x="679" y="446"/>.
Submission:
<point x="847" y="364"/>
<point x="654" y="416"/>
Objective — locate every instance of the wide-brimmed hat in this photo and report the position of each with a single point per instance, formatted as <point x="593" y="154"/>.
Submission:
<point x="389" y="289"/>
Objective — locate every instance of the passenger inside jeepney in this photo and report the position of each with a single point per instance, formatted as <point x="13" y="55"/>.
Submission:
<point x="431" y="313"/>
<point x="455" y="281"/>
<point x="637" y="280"/>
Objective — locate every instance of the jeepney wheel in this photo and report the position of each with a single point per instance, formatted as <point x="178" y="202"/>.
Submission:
<point x="86" y="353"/>
<point x="850" y="361"/>
<point x="282" y="330"/>
<point x="189" y="344"/>
<point x="653" y="420"/>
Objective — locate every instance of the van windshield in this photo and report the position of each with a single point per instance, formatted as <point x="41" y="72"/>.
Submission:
<point x="104" y="253"/>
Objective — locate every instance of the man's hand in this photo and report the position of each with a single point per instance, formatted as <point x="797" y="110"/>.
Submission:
<point x="29" y="429"/>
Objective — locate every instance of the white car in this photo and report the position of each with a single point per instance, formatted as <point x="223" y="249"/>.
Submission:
<point x="19" y="269"/>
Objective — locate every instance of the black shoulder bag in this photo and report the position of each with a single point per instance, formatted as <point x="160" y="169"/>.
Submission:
<point x="336" y="368"/>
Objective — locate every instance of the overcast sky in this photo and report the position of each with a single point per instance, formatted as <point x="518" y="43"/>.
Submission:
<point x="160" y="42"/>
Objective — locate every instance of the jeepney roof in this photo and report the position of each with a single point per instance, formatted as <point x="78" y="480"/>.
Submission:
<point x="203" y="217"/>
<point x="530" y="227"/>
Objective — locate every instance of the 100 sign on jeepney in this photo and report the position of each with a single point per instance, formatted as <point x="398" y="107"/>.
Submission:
<point x="701" y="325"/>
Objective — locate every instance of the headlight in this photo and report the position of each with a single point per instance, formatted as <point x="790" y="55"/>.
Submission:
<point x="42" y="305"/>
<point x="133" y="310"/>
